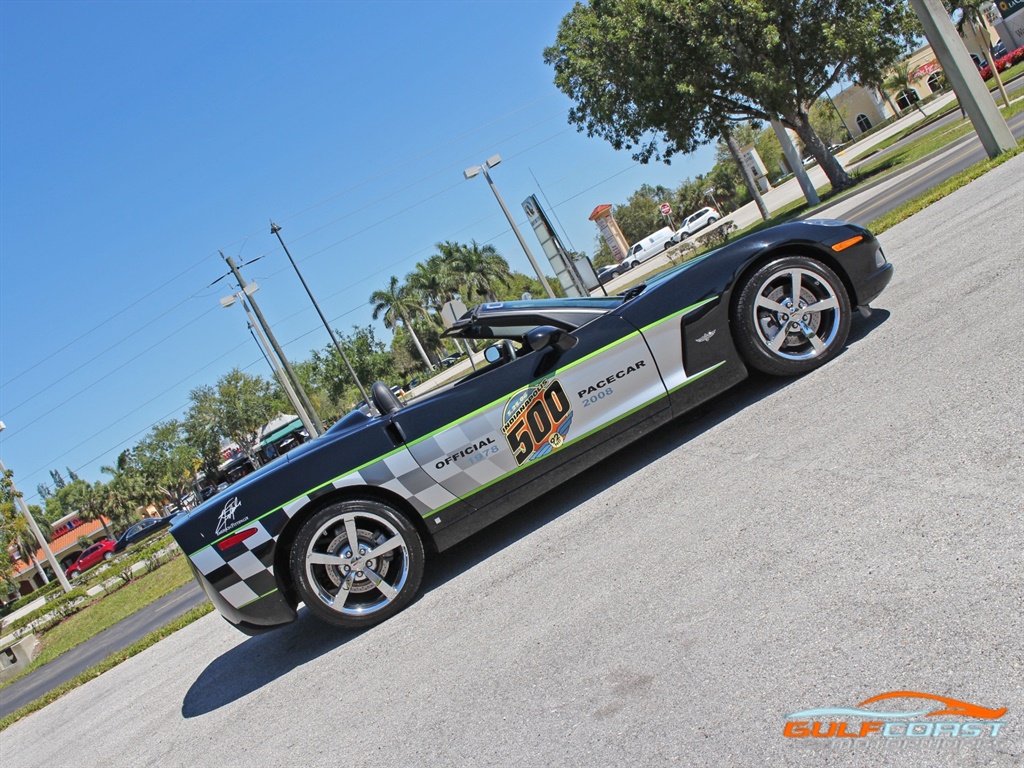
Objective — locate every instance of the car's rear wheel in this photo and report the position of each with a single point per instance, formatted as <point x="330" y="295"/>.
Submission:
<point x="108" y="555"/>
<point x="357" y="563"/>
<point x="792" y="316"/>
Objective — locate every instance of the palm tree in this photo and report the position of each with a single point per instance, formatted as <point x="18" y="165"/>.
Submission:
<point x="25" y="539"/>
<point x="398" y="302"/>
<point x="433" y="281"/>
<point x="899" y="81"/>
<point x="480" y="268"/>
<point x="88" y="500"/>
<point x="126" y="492"/>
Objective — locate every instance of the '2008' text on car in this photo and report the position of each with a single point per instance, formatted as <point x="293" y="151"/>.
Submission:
<point x="345" y="522"/>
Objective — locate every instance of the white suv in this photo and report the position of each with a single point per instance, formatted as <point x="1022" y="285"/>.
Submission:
<point x="695" y="223"/>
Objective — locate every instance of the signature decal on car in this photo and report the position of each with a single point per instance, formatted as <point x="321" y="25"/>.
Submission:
<point x="226" y="521"/>
<point x="706" y="337"/>
<point x="480" y="445"/>
<point x="536" y="420"/>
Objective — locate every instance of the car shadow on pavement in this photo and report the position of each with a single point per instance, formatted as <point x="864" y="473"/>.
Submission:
<point x="262" y="659"/>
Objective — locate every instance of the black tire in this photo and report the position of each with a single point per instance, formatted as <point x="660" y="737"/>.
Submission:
<point x="776" y="340"/>
<point x="344" y="592"/>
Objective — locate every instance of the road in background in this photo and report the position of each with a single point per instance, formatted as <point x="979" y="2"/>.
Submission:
<point x="73" y="663"/>
<point x="799" y="544"/>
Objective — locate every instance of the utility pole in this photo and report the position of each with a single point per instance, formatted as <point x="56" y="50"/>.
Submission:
<point x="300" y="391"/>
<point x="276" y="230"/>
<point x="264" y="346"/>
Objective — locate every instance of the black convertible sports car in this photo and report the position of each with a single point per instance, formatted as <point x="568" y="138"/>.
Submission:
<point x="344" y="522"/>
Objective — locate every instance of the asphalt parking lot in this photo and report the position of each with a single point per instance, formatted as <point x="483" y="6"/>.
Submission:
<point x="796" y="545"/>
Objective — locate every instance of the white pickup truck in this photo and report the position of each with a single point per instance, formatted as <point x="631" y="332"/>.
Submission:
<point x="650" y="246"/>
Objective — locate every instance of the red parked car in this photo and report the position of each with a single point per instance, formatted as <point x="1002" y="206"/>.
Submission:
<point x="101" y="550"/>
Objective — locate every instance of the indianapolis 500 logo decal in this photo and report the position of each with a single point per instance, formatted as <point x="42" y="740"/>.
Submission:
<point x="536" y="420"/>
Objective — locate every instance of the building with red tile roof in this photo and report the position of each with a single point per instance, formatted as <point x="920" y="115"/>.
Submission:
<point x="65" y="543"/>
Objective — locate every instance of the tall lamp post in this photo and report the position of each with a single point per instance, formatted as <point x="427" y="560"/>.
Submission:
<point x="43" y="545"/>
<point x="276" y="230"/>
<point x="469" y="173"/>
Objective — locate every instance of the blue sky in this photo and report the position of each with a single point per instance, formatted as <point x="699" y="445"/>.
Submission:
<point x="139" y="139"/>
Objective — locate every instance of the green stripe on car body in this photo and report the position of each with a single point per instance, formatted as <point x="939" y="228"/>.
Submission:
<point x="490" y="405"/>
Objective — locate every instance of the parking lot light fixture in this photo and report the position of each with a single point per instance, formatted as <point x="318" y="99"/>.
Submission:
<point x="492" y="161"/>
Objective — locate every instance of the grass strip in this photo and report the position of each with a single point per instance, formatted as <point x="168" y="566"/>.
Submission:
<point x="109" y="663"/>
<point x="108" y="611"/>
<point x="922" y="201"/>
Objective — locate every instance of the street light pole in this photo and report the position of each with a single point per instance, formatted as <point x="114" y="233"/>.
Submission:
<point x="276" y="230"/>
<point x="469" y="173"/>
<point x="40" y="539"/>
<point x="278" y="351"/>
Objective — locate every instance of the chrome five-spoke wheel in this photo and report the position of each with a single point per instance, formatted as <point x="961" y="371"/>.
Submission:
<point x="792" y="315"/>
<point x="357" y="562"/>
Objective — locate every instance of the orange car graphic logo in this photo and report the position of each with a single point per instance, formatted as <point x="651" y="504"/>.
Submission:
<point x="982" y="721"/>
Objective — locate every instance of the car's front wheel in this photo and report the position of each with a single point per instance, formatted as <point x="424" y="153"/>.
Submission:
<point x="792" y="316"/>
<point x="357" y="563"/>
<point x="108" y="556"/>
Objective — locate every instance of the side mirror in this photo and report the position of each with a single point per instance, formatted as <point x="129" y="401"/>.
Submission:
<point x="493" y="353"/>
<point x="549" y="336"/>
<point x="501" y="352"/>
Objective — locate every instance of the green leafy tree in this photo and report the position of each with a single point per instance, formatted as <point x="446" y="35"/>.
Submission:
<point x="664" y="76"/>
<point x="519" y="283"/>
<point x="202" y="430"/>
<point x="690" y="196"/>
<point x="80" y="497"/>
<point x="898" y="81"/>
<point x="479" y="271"/>
<point x="369" y="358"/>
<point x="244" y="405"/>
<point x="397" y="303"/>
<point x="403" y="353"/>
<point x="16" y="534"/>
<point x="167" y="462"/>
<point x="641" y="214"/>
<point x="827" y="122"/>
<point x="434" y="280"/>
<point x="126" y="492"/>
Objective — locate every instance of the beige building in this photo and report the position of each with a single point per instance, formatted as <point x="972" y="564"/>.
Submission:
<point x="863" y="108"/>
